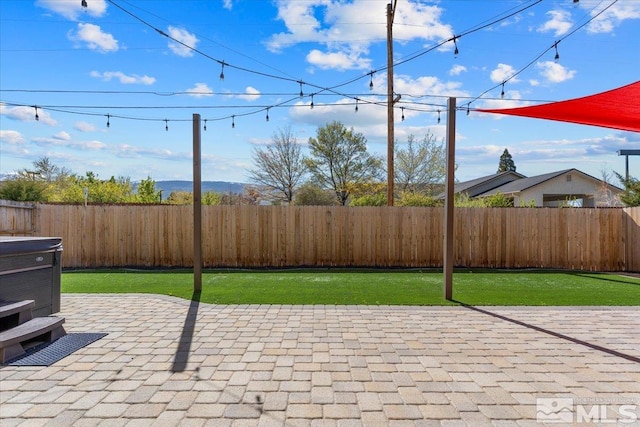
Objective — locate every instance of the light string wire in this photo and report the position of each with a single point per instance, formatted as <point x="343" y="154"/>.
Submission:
<point x="533" y="61"/>
<point x="322" y="90"/>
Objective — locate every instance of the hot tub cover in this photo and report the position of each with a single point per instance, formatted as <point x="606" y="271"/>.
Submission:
<point x="23" y="245"/>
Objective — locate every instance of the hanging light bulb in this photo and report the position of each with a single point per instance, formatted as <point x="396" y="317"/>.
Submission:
<point x="311" y="101"/>
<point x="166" y="125"/>
<point x="205" y="124"/>
<point x="83" y="3"/>
<point x="467" y="109"/>
<point x="301" y="93"/>
<point x="233" y="122"/>
<point x="37" y="116"/>
<point x="438" y="116"/>
<point x="222" y="71"/>
<point x="455" y="51"/>
<point x="356" y="105"/>
<point x="502" y="93"/>
<point x="402" y="108"/>
<point x="108" y="120"/>
<point x="371" y="81"/>
<point x="557" y="57"/>
<point x="267" y="114"/>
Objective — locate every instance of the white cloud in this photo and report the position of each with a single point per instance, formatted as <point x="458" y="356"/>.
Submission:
<point x="502" y="72"/>
<point x="95" y="38"/>
<point x="72" y="9"/>
<point x="554" y="72"/>
<point x="559" y="22"/>
<point x="348" y="28"/>
<point x="457" y="69"/>
<point x="422" y="85"/>
<point x="347" y="59"/>
<point x="251" y="94"/>
<point x="62" y="136"/>
<point x="27" y="114"/>
<point x="612" y="17"/>
<point x="84" y="127"/>
<point x="11" y="137"/>
<point x="200" y="90"/>
<point x="183" y="36"/>
<point x="227" y="4"/>
<point x="124" y="78"/>
<point x="59" y="140"/>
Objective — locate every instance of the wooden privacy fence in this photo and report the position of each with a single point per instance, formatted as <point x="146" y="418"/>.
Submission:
<point x="288" y="236"/>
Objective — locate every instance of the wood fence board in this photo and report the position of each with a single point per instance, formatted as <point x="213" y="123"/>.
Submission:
<point x="283" y="236"/>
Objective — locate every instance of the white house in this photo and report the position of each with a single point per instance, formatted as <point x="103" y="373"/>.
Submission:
<point x="569" y="187"/>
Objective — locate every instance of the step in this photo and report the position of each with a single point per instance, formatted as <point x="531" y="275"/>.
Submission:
<point x="45" y="329"/>
<point x="14" y="313"/>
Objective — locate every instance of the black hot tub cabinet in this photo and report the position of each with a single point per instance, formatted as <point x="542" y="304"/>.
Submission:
<point x="30" y="269"/>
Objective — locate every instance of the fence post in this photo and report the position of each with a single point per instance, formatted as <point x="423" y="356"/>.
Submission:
<point x="197" y="206"/>
<point x="448" y="201"/>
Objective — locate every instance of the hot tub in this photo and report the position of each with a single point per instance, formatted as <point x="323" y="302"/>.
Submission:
<point x="30" y="269"/>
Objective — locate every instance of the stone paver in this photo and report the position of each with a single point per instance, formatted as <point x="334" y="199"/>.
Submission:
<point x="170" y="362"/>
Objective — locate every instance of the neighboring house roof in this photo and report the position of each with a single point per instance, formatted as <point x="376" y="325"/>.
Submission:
<point x="478" y="186"/>
<point x="526" y="183"/>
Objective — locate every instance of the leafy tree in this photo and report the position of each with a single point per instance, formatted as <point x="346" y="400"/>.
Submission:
<point x="147" y="193"/>
<point x="23" y="190"/>
<point x="45" y="170"/>
<point x="631" y="194"/>
<point x="310" y="194"/>
<point x="368" y="194"/>
<point x="409" y="198"/>
<point x="339" y="159"/>
<point x="506" y="162"/>
<point x="180" y="198"/>
<point x="279" y="167"/>
<point x="112" y="190"/>
<point x="211" y="198"/>
<point x="421" y="164"/>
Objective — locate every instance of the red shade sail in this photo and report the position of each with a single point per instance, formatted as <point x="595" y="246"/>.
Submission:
<point x="618" y="109"/>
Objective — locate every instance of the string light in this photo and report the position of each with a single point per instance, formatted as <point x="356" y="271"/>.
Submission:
<point x="233" y="122"/>
<point x="356" y="105"/>
<point x="502" y="93"/>
<point x="205" y="124"/>
<point x="311" y="101"/>
<point x="557" y="57"/>
<point x="438" y="116"/>
<point x="83" y="3"/>
<point x="37" y="116"/>
<point x="467" y="109"/>
<point x="108" y="120"/>
<point x="371" y="80"/>
<point x="455" y="51"/>
<point x="301" y="93"/>
<point x="222" y="71"/>
<point x="402" y="108"/>
<point x="166" y="125"/>
<point x="267" y="114"/>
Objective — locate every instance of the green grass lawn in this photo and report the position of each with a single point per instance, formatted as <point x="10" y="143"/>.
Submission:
<point x="363" y="287"/>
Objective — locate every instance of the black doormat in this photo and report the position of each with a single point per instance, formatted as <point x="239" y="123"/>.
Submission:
<point x="47" y="354"/>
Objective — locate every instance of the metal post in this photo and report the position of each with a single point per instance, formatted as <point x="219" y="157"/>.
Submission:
<point x="390" y="101"/>
<point x="197" y="206"/>
<point x="448" y="201"/>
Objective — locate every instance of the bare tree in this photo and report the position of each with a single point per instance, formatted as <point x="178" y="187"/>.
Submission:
<point x="279" y="167"/>
<point x="421" y="164"/>
<point x="339" y="160"/>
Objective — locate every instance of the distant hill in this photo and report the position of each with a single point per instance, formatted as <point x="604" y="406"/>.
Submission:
<point x="218" y="186"/>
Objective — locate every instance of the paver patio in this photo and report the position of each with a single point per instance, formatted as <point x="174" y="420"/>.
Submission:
<point x="167" y="361"/>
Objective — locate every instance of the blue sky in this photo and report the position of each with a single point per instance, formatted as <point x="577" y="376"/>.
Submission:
<point x="128" y="63"/>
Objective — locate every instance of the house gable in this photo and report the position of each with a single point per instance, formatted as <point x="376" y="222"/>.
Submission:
<point x="567" y="187"/>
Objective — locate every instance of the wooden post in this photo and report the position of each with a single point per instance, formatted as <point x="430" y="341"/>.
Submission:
<point x="448" y="200"/>
<point x="197" y="206"/>
<point x="390" y="101"/>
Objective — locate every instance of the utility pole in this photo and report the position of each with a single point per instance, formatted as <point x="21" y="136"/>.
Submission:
<point x="391" y="10"/>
